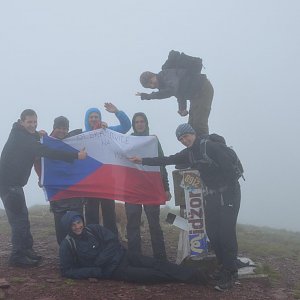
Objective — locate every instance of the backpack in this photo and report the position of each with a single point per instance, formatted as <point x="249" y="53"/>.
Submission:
<point x="177" y="60"/>
<point x="236" y="163"/>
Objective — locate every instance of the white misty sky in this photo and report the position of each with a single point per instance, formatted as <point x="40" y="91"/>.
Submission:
<point x="62" y="57"/>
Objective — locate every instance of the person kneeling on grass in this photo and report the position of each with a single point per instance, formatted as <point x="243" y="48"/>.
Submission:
<point x="93" y="251"/>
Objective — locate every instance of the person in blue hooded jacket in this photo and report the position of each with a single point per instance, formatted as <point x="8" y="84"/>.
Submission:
<point x="94" y="121"/>
<point x="93" y="251"/>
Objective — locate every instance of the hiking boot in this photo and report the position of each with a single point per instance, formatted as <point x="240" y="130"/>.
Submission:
<point x="30" y="253"/>
<point x="225" y="282"/>
<point x="23" y="262"/>
<point x="235" y="276"/>
<point x="216" y="275"/>
<point x="201" y="277"/>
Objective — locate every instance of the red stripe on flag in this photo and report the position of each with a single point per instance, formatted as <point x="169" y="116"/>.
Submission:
<point x="118" y="183"/>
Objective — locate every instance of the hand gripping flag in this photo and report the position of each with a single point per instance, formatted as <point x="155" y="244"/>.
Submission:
<point x="106" y="173"/>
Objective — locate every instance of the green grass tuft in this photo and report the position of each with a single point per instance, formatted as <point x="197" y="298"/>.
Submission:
<point x="262" y="242"/>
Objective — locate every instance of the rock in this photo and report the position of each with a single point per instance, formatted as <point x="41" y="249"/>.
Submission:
<point x="93" y="280"/>
<point x="2" y="294"/>
<point x="4" y="284"/>
<point x="280" y="294"/>
<point x="52" y="280"/>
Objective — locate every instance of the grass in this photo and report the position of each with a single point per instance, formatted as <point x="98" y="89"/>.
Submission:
<point x="4" y="226"/>
<point x="263" y="242"/>
<point x="268" y="270"/>
<point x="296" y="291"/>
<point x="17" y="279"/>
<point x="69" y="282"/>
<point x="259" y="242"/>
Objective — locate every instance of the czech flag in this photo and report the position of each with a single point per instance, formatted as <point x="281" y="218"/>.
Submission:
<point x="106" y="173"/>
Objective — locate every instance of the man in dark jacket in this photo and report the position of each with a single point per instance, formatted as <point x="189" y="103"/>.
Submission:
<point x="18" y="155"/>
<point x="95" y="252"/>
<point x="184" y="86"/>
<point x="134" y="211"/>
<point x="222" y="201"/>
<point x="60" y="207"/>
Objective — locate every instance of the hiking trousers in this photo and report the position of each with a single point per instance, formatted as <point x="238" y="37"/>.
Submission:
<point x="144" y="269"/>
<point x="13" y="199"/>
<point x="92" y="216"/>
<point x="134" y="213"/>
<point x="59" y="208"/>
<point x="200" y="107"/>
<point x="221" y="212"/>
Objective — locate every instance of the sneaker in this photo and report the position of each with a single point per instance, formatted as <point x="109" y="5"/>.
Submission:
<point x="225" y="281"/>
<point x="30" y="253"/>
<point x="23" y="262"/>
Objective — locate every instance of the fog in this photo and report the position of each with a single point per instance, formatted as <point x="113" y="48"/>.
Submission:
<point x="62" y="57"/>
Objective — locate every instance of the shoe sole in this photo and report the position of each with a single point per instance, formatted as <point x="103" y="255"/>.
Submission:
<point x="218" y="288"/>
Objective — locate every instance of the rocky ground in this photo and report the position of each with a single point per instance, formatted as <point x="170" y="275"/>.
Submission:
<point x="45" y="283"/>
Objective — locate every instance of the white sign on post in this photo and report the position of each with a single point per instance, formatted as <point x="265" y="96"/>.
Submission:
<point x="195" y="212"/>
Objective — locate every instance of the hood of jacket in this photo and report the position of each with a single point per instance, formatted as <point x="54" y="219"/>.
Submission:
<point x="66" y="220"/>
<point x="146" y="132"/>
<point x="87" y="114"/>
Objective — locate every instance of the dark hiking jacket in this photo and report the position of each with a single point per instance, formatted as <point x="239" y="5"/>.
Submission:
<point x="98" y="251"/>
<point x="19" y="154"/>
<point x="216" y="176"/>
<point x="178" y="83"/>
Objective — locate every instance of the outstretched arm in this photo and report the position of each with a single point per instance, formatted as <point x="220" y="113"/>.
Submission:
<point x="41" y="150"/>
<point x="182" y="107"/>
<point x="161" y="94"/>
<point x="178" y="158"/>
<point x="125" y="123"/>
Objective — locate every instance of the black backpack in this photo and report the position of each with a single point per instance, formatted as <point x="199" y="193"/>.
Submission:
<point x="177" y="60"/>
<point x="236" y="163"/>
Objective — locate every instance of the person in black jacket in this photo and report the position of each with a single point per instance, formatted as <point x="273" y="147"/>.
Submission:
<point x="60" y="207"/>
<point x="93" y="251"/>
<point x="184" y="86"/>
<point x="223" y="197"/>
<point x="134" y="211"/>
<point x="18" y="155"/>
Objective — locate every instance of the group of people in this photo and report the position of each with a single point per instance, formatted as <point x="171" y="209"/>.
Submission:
<point x="88" y="249"/>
